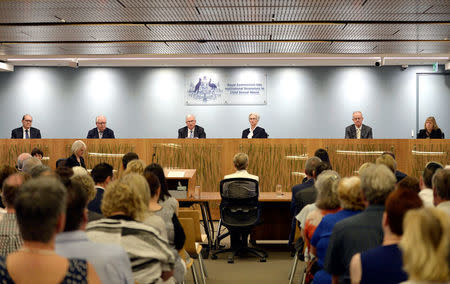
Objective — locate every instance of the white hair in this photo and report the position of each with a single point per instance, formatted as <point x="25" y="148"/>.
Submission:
<point x="357" y="111"/>
<point x="79" y="171"/>
<point x="189" y="116"/>
<point x="77" y="145"/>
<point x="97" y="117"/>
<point x="255" y="114"/>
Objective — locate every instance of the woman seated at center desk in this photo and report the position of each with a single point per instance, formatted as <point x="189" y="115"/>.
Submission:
<point x="240" y="161"/>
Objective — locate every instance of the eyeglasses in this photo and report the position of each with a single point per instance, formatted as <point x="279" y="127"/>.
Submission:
<point x="357" y="118"/>
<point x="190" y="121"/>
<point x="101" y="122"/>
<point x="28" y="120"/>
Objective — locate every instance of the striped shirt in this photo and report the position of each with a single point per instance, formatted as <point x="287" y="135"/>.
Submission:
<point x="149" y="253"/>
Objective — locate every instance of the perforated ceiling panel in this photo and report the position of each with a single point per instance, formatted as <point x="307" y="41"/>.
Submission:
<point x="224" y="26"/>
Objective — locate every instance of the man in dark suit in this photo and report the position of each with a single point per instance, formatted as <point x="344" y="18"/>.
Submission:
<point x="358" y="130"/>
<point x="26" y="131"/>
<point x="191" y="130"/>
<point x="101" y="131"/>
<point x="102" y="175"/>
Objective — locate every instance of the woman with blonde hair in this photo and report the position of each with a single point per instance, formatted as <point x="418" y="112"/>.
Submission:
<point x="431" y="130"/>
<point x="151" y="257"/>
<point x="350" y="198"/>
<point x="426" y="246"/>
<point x="78" y="150"/>
<point x="135" y="166"/>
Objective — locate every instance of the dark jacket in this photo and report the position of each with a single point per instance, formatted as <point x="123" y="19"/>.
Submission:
<point x="259" y="132"/>
<point x="18" y="133"/>
<point x="435" y="134"/>
<point x="366" y="132"/>
<point x="199" y="132"/>
<point x="72" y="162"/>
<point x="107" y="133"/>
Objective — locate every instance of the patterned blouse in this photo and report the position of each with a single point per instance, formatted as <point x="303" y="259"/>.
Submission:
<point x="10" y="238"/>
<point x="76" y="273"/>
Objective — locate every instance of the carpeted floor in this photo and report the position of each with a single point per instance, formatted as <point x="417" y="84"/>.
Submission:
<point x="249" y="270"/>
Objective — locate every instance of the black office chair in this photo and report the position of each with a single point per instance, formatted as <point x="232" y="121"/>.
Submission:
<point x="239" y="213"/>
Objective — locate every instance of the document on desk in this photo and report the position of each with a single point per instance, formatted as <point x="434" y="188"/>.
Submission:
<point x="175" y="174"/>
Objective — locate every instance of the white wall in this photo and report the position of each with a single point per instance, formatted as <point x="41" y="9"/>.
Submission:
<point x="302" y="102"/>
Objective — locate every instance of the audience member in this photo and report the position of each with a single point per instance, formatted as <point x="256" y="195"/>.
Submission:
<point x="410" y="183"/>
<point x="388" y="161"/>
<point x="151" y="257"/>
<point x="40" y="170"/>
<point x="254" y="131"/>
<point x="26" y="131"/>
<point x="327" y="202"/>
<point x="426" y="246"/>
<point x="102" y="175"/>
<point x="110" y="261"/>
<point x="175" y="233"/>
<point x="78" y="149"/>
<point x="135" y="166"/>
<point x="384" y="264"/>
<point x="29" y="164"/>
<point x="79" y="171"/>
<point x="308" y="195"/>
<point x="191" y="130"/>
<point x="156" y="221"/>
<point x="88" y="185"/>
<point x="358" y="130"/>
<point x="426" y="191"/>
<point x="364" y="167"/>
<point x="351" y="201"/>
<point x="310" y="166"/>
<point x="10" y="238"/>
<point x="362" y="231"/>
<point x="322" y="154"/>
<point x="165" y="199"/>
<point x="5" y="171"/>
<point x="40" y="207"/>
<point x="128" y="157"/>
<point x="398" y="174"/>
<point x="61" y="163"/>
<point x="441" y="190"/>
<point x="37" y="153"/>
<point x="101" y="131"/>
<point x="22" y="157"/>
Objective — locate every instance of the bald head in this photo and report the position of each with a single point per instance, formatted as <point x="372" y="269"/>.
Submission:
<point x="22" y="157"/>
<point x="9" y="189"/>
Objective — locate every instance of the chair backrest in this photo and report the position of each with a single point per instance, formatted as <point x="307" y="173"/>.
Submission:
<point x="239" y="206"/>
<point x="195" y="216"/>
<point x="188" y="227"/>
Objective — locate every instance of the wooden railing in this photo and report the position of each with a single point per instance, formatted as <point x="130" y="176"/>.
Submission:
<point x="275" y="161"/>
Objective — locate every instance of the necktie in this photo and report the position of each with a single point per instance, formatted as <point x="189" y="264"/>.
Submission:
<point x="191" y="134"/>
<point x="26" y="134"/>
<point x="100" y="135"/>
<point x="358" y="133"/>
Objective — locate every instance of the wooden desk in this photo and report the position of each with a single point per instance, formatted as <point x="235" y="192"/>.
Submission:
<point x="275" y="215"/>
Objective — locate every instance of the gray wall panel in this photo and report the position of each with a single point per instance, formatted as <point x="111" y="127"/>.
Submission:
<point x="302" y="102"/>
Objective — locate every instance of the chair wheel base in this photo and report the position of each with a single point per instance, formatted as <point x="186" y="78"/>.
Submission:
<point x="230" y="260"/>
<point x="213" y="256"/>
<point x="262" y="259"/>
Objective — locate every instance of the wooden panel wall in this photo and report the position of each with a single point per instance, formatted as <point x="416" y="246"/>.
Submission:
<point x="276" y="161"/>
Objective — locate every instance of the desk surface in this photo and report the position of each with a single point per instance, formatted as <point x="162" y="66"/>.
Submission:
<point x="263" y="197"/>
